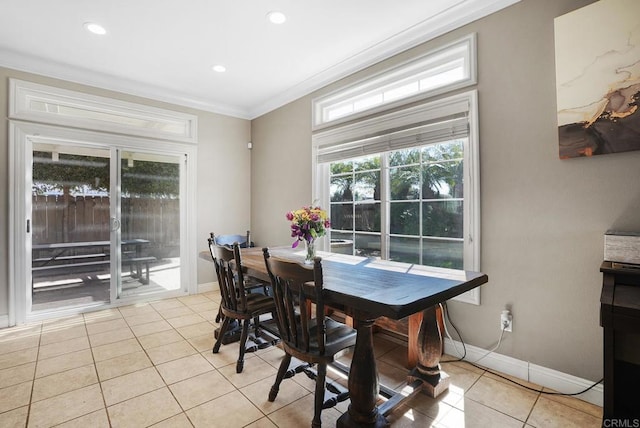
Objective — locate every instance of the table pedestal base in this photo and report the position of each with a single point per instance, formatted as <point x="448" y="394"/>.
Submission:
<point x="432" y="385"/>
<point x="363" y="381"/>
<point x="346" y="421"/>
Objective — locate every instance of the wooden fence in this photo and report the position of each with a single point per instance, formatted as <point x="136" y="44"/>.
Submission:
<point x="86" y="218"/>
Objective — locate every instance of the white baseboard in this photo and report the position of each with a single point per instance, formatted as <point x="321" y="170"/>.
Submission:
<point x="549" y="378"/>
<point x="4" y="321"/>
<point x="207" y="287"/>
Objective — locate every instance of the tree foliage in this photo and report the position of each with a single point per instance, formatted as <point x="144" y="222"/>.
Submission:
<point x="79" y="173"/>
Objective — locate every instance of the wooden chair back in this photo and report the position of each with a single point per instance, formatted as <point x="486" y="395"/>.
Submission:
<point x="291" y="289"/>
<point x="228" y="264"/>
<point x="229" y="240"/>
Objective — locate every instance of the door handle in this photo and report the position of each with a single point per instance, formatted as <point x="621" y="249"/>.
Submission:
<point x="115" y="224"/>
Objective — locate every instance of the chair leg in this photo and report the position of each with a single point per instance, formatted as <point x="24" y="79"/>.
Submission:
<point x="319" y="396"/>
<point x="223" y="329"/>
<point x="256" y="326"/>
<point x="282" y="370"/>
<point x="243" y="344"/>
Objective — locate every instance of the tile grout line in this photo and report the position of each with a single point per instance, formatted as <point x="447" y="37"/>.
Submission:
<point x="33" y="382"/>
<point x="532" y="407"/>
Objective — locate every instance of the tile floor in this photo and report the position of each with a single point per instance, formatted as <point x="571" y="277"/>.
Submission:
<point x="151" y="365"/>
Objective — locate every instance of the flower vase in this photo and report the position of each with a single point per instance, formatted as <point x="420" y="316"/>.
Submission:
<point x="310" y="253"/>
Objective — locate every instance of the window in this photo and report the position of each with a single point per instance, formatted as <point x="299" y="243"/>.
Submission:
<point x="404" y="186"/>
<point x="402" y="182"/>
<point x="450" y="67"/>
<point x="425" y="205"/>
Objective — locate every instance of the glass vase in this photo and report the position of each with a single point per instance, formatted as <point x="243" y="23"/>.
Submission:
<point x="310" y="251"/>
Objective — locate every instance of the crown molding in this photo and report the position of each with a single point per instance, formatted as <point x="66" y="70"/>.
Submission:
<point x="462" y="13"/>
<point x="30" y="64"/>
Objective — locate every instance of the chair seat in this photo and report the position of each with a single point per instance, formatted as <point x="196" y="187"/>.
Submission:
<point x="338" y="337"/>
<point x="257" y="304"/>
<point x="251" y="283"/>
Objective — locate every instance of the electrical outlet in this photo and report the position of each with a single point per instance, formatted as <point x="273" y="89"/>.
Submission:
<point x="506" y="320"/>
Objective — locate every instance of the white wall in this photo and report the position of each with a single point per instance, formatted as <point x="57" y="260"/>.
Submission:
<point x="224" y="182"/>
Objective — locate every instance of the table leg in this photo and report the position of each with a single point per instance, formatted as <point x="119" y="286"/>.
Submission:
<point x="415" y="321"/>
<point x="435" y="381"/>
<point x="363" y="383"/>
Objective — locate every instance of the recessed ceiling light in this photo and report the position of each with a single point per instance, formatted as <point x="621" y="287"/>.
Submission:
<point x="95" y="28"/>
<point x="219" y="68"/>
<point x="276" y="17"/>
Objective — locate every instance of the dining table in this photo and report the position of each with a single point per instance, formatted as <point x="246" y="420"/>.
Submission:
<point x="367" y="289"/>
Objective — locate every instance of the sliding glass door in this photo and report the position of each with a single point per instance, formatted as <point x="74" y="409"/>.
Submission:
<point x="102" y="202"/>
<point x="105" y="224"/>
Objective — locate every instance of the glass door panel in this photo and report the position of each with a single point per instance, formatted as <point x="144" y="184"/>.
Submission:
<point x="102" y="230"/>
<point x="70" y="230"/>
<point x="149" y="223"/>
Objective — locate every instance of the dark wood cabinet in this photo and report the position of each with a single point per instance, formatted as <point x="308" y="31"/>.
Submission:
<point x="620" y="319"/>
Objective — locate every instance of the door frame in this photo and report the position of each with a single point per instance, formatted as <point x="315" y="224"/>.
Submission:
<point x="21" y="136"/>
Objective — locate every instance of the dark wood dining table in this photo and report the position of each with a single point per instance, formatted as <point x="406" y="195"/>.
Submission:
<point x="368" y="289"/>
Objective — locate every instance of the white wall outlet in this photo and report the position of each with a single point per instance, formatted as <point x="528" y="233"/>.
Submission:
<point x="506" y="320"/>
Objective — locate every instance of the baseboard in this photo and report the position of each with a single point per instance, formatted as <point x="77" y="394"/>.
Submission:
<point x="549" y="378"/>
<point x="4" y="321"/>
<point x="206" y="287"/>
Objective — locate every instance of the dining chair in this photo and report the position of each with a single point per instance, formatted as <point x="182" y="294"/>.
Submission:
<point x="236" y="304"/>
<point x="245" y="242"/>
<point x="313" y="340"/>
<point x="251" y="285"/>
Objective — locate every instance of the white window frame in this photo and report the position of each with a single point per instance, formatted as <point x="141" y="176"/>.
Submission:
<point x="347" y="134"/>
<point x="34" y="102"/>
<point x="461" y="52"/>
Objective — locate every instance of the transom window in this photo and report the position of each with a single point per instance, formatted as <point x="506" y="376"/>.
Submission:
<point x="445" y="69"/>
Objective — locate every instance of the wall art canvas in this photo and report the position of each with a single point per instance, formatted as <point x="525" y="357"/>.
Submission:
<point x="598" y="78"/>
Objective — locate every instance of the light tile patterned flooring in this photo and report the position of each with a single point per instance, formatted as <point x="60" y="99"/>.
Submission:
<point x="151" y="365"/>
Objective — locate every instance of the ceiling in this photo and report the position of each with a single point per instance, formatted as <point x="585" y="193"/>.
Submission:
<point x="165" y="50"/>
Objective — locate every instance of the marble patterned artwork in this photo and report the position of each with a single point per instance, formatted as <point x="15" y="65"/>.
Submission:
<point x="598" y="78"/>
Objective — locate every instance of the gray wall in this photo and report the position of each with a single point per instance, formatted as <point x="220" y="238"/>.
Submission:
<point x="543" y="219"/>
<point x="222" y="155"/>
